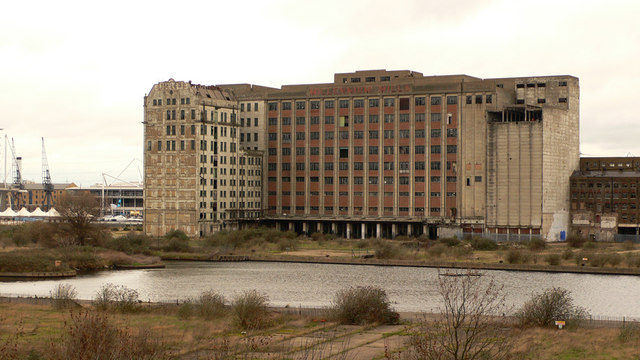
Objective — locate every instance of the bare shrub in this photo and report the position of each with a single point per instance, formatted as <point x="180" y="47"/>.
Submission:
<point x="363" y="305"/>
<point x="450" y="241"/>
<point x="629" y="332"/>
<point x="576" y="240"/>
<point x="483" y="244"/>
<point x="551" y="305"/>
<point x="63" y="296"/>
<point x="250" y="310"/>
<point x="567" y="254"/>
<point x="628" y="245"/>
<point x="536" y="244"/>
<point x="210" y="305"/>
<point x="117" y="298"/>
<point x="465" y="330"/>
<point x="387" y="250"/>
<point x="515" y="256"/>
<point x="92" y="335"/>
<point x="186" y="310"/>
<point x="552" y="259"/>
<point x="437" y="250"/>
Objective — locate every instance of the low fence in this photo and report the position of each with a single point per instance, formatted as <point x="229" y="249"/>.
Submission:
<point x="625" y="238"/>
<point x="498" y="237"/>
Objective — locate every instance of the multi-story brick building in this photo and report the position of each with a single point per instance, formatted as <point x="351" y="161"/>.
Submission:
<point x="197" y="176"/>
<point x="386" y="153"/>
<point x="605" y="202"/>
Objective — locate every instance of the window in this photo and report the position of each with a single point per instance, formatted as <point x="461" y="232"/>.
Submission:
<point x="436" y="117"/>
<point x="358" y="134"/>
<point x="542" y="101"/>
<point x="404" y="134"/>
<point x="273" y="121"/>
<point x="328" y="104"/>
<point x="358" y="166"/>
<point x="452" y="132"/>
<point x="403" y="180"/>
<point x="357" y="180"/>
<point x="435" y="149"/>
<point x="358" y="103"/>
<point x="300" y="151"/>
<point x="374" y="103"/>
<point x="314" y="135"/>
<point x="419" y="117"/>
<point x="286" y="137"/>
<point x="328" y="135"/>
<point x="300" y="166"/>
<point x="451" y="149"/>
<point x="478" y="179"/>
<point x="385" y="78"/>
<point x="344" y="121"/>
<point x="419" y="149"/>
<point x="314" y="150"/>
<point x="355" y="80"/>
<point x="344" y="152"/>
<point x="435" y="194"/>
<point x="388" y="150"/>
<point x="344" y="104"/>
<point x="300" y="135"/>
<point x="403" y="166"/>
<point x="388" y="165"/>
<point x="388" y="134"/>
<point x="273" y="136"/>
<point x="451" y="179"/>
<point x="300" y="105"/>
<point x="436" y="100"/>
<point x="478" y="99"/>
<point x="286" y="105"/>
<point x="328" y="120"/>
<point x="388" y="180"/>
<point x="389" y="102"/>
<point x="435" y="133"/>
<point x="328" y="150"/>
<point x="358" y="119"/>
<point x="469" y="99"/>
<point x="370" y="79"/>
<point x="315" y="105"/>
<point x="388" y="118"/>
<point x="328" y="180"/>
<point x="273" y="106"/>
<point x="452" y="100"/>
<point x="373" y="150"/>
<point x="299" y="179"/>
<point x="373" y="180"/>
<point x="435" y="165"/>
<point x="314" y="166"/>
<point x="420" y="133"/>
<point x="373" y="119"/>
<point x="562" y="100"/>
<point x="435" y="179"/>
<point x="562" y="83"/>
<point x="419" y="165"/>
<point x="314" y="120"/>
<point x="285" y="151"/>
<point x="419" y="101"/>
<point x="373" y="165"/>
<point x="358" y="150"/>
<point x="373" y="134"/>
<point x="404" y="118"/>
<point x="299" y="120"/>
<point x="343" y="180"/>
<point x="489" y="99"/>
<point x="286" y="167"/>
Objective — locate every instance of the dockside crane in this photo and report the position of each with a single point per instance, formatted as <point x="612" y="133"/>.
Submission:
<point x="17" y="186"/>
<point x="47" y="185"/>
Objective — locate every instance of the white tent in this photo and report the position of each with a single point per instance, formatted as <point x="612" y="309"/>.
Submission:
<point x="8" y="213"/>
<point x="23" y="212"/>
<point x="39" y="213"/>
<point x="53" y="213"/>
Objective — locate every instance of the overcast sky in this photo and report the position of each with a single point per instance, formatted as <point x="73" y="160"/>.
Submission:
<point x="76" y="72"/>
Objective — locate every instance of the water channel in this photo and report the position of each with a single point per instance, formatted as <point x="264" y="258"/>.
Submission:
<point x="314" y="285"/>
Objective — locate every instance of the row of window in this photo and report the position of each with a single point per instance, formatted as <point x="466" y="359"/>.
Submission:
<point x="183" y="101"/>
<point x="357" y="119"/>
<point x="532" y="85"/>
<point x="255" y="122"/>
<point x="358" y="180"/>
<point x="403" y="166"/>
<point x="372" y="209"/>
<point x="359" y="150"/>
<point x="403" y="103"/>
<point x="359" y="193"/>
<point x="248" y="107"/>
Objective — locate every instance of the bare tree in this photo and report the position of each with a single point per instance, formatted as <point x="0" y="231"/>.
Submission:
<point x="78" y="210"/>
<point x="468" y="327"/>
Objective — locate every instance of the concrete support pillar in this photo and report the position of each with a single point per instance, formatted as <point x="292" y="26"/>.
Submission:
<point x="394" y="230"/>
<point x="348" y="230"/>
<point x="363" y="232"/>
<point x="425" y="229"/>
<point x="305" y="228"/>
<point x="290" y="225"/>
<point x="378" y="230"/>
<point x="333" y="228"/>
<point x="409" y="229"/>
<point x="319" y="228"/>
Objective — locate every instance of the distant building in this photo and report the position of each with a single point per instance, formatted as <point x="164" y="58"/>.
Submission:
<point x="33" y="196"/>
<point x="605" y="202"/>
<point x="119" y="198"/>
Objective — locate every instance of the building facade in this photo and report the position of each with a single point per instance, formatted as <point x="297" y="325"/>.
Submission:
<point x="32" y="196"/>
<point x="120" y="198"/>
<point x="198" y="178"/>
<point x="605" y="201"/>
<point x="387" y="153"/>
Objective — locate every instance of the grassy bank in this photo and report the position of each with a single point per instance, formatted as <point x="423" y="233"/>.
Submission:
<point x="170" y="332"/>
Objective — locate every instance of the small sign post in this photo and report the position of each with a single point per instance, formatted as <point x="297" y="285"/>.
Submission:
<point x="560" y="323"/>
